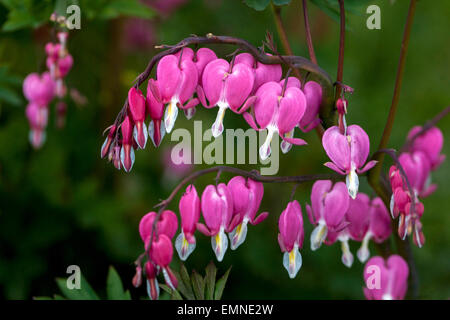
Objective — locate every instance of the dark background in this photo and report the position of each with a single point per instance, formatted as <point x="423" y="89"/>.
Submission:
<point x="63" y="205"/>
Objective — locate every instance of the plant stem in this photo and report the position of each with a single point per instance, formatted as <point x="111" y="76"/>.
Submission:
<point x="312" y="54"/>
<point x="340" y="70"/>
<point x="374" y="174"/>
<point x="282" y="34"/>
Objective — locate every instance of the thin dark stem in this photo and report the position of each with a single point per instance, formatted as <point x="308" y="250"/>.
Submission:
<point x="374" y="174"/>
<point x="312" y="54"/>
<point x="340" y="70"/>
<point x="282" y="33"/>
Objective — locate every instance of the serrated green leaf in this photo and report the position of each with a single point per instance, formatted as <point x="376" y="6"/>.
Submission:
<point x="184" y="286"/>
<point x="258" y="5"/>
<point x="220" y="285"/>
<point x="114" y="287"/>
<point x="198" y="284"/>
<point x="210" y="280"/>
<point x="174" y="294"/>
<point x="84" y="293"/>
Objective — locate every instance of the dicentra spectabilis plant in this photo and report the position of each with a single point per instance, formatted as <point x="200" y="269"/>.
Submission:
<point x="250" y="84"/>
<point x="40" y="90"/>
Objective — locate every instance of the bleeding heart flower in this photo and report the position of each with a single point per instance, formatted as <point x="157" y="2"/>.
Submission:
<point x="39" y="89"/>
<point x="263" y="72"/>
<point x="37" y="119"/>
<point x="136" y="110"/>
<point x="226" y="86"/>
<point x="386" y="280"/>
<point x="156" y="128"/>
<point x="313" y="95"/>
<point x="327" y="211"/>
<point x="161" y="254"/>
<point x="291" y="237"/>
<point x="127" y="151"/>
<point x="217" y="209"/>
<point x="349" y="153"/>
<point x="430" y="143"/>
<point x="176" y="82"/>
<point x="247" y="195"/>
<point x="64" y="65"/>
<point x="190" y="214"/>
<point x="417" y="168"/>
<point x="151" y="272"/>
<point x="107" y="144"/>
<point x="167" y="225"/>
<point x="278" y="108"/>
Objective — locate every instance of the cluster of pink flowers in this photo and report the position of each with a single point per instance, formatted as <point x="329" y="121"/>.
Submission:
<point x="40" y="90"/>
<point x="187" y="78"/>
<point x="423" y="157"/>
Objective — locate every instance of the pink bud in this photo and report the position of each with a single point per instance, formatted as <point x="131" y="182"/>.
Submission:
<point x="137" y="279"/>
<point x="155" y="109"/>
<point x="348" y="153"/>
<point x="106" y="145"/>
<point x="386" y="280"/>
<point x="127" y="152"/>
<point x="152" y="282"/>
<point x="39" y="89"/>
<point x="137" y="109"/>
<point x="37" y="119"/>
<point x="64" y="65"/>
<point x="52" y="50"/>
<point x="430" y="143"/>
<point x="291" y="237"/>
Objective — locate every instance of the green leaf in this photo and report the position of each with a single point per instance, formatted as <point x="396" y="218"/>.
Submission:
<point x="281" y="2"/>
<point x="18" y="19"/>
<point x="220" y="285"/>
<point x="114" y="287"/>
<point x="184" y="286"/>
<point x="42" y="298"/>
<point x="199" y="285"/>
<point x="258" y="5"/>
<point x="174" y="294"/>
<point x="134" y="8"/>
<point x="84" y="293"/>
<point x="10" y="96"/>
<point x="210" y="280"/>
<point x="331" y="8"/>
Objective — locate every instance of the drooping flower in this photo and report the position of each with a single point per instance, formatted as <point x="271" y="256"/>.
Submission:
<point x="291" y="237"/>
<point x="227" y="86"/>
<point x="190" y="214"/>
<point x="200" y="58"/>
<point x="327" y="211"/>
<point x="176" y="82"/>
<point x="37" y="119"/>
<point x="127" y="157"/>
<point x="39" y="89"/>
<point x="155" y="108"/>
<point x="263" y="72"/>
<point x="430" y="143"/>
<point x="313" y="95"/>
<point x="136" y="110"/>
<point x="161" y="253"/>
<point x="386" y="280"/>
<point x="107" y="144"/>
<point x="348" y="153"/>
<point x="278" y="108"/>
<point x="247" y="195"/>
<point x="152" y="282"/>
<point x="417" y="168"/>
<point x="167" y="224"/>
<point x="217" y="210"/>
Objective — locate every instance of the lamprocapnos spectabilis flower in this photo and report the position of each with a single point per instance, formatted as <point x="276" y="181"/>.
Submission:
<point x="137" y="112"/>
<point x="176" y="82"/>
<point x="200" y="58"/>
<point x="430" y="143"/>
<point x="348" y="153"/>
<point x="386" y="280"/>
<point x="313" y="95"/>
<point x="127" y="156"/>
<point x="327" y="211"/>
<point x="151" y="273"/>
<point x="167" y="224"/>
<point x="217" y="210"/>
<point x="291" y="237"/>
<point x="190" y="214"/>
<point x="227" y="86"/>
<point x="161" y="253"/>
<point x="417" y="168"/>
<point x="247" y="195"/>
<point x="369" y="219"/>
<point x="155" y="108"/>
<point x="39" y="89"/>
<point x="37" y="119"/>
<point x="109" y="139"/>
<point x="278" y="108"/>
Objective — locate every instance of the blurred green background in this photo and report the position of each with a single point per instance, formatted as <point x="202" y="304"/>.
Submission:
<point x="63" y="205"/>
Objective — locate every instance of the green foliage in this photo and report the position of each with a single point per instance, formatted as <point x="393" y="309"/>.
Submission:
<point x="331" y="7"/>
<point x="114" y="289"/>
<point x="34" y="13"/>
<point x="8" y="87"/>
<point x="197" y="287"/>
<point x="260" y="5"/>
